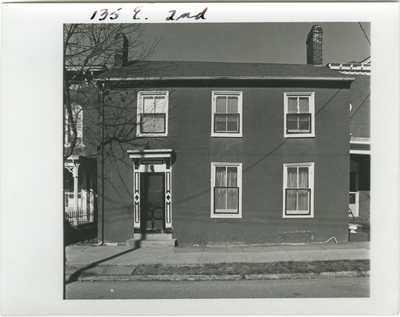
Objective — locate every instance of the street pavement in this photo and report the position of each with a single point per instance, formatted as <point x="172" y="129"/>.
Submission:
<point x="112" y="261"/>
<point x="346" y="287"/>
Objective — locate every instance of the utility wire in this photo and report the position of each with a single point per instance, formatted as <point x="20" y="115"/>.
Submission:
<point x="359" y="23"/>
<point x="359" y="106"/>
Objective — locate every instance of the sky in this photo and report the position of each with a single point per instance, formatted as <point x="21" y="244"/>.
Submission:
<point x="257" y="42"/>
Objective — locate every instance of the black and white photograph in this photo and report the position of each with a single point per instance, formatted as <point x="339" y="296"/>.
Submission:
<point x="223" y="161"/>
<point x="207" y="156"/>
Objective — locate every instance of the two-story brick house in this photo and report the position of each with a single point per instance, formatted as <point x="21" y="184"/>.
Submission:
<point x="231" y="152"/>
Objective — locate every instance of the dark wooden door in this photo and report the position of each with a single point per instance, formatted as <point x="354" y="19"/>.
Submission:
<point x="152" y="206"/>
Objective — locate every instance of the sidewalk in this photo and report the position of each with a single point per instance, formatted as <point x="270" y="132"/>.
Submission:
<point x="114" y="261"/>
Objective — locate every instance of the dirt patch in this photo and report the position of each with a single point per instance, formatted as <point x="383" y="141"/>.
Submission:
<point x="255" y="268"/>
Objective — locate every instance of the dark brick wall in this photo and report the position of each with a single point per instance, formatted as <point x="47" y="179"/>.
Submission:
<point x="262" y="151"/>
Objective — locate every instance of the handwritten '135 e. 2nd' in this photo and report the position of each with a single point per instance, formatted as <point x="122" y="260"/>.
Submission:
<point x="173" y="16"/>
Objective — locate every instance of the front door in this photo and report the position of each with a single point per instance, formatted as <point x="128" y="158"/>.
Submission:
<point x="152" y="207"/>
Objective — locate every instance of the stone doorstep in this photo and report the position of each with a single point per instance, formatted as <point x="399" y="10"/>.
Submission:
<point x="152" y="236"/>
<point x="151" y="243"/>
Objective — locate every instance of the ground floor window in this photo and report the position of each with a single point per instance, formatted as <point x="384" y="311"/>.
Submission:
<point x="226" y="190"/>
<point x="298" y="186"/>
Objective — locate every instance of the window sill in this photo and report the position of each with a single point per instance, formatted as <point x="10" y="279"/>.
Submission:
<point x="299" y="136"/>
<point x="298" y="216"/>
<point x="226" y="135"/>
<point x="150" y="135"/>
<point x="236" y="216"/>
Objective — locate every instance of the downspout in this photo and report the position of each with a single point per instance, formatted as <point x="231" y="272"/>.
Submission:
<point x="102" y="164"/>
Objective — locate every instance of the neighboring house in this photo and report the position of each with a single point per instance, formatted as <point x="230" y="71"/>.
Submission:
<point x="360" y="143"/>
<point x="80" y="171"/>
<point x="231" y="152"/>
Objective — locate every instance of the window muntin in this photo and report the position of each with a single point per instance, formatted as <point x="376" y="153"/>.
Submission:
<point x="77" y="118"/>
<point x="226" y="114"/>
<point x="226" y="179"/>
<point x="298" y="190"/>
<point x="152" y="113"/>
<point x="299" y="114"/>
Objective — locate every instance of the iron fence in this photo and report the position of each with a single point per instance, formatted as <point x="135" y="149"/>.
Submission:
<point x="79" y="217"/>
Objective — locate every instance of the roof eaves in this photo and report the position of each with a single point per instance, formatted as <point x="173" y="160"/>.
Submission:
<point x="172" y="78"/>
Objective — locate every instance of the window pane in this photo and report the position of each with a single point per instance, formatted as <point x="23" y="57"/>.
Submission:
<point x="153" y="123"/>
<point x="303" y="200"/>
<point x="220" y="176"/>
<point x="220" y="123"/>
<point x="232" y="105"/>
<point x="233" y="198"/>
<point x="233" y="123"/>
<point x="221" y="105"/>
<point x="159" y="123"/>
<point x="292" y="104"/>
<point x="160" y="103"/>
<point x="297" y="123"/>
<point x="305" y="123"/>
<point x="148" y="105"/>
<point x="292" y="177"/>
<point x="232" y="176"/>
<point x="291" y="198"/>
<point x="220" y="198"/>
<point x="352" y="198"/>
<point x="303" y="177"/>
<point x="292" y="122"/>
<point x="304" y="105"/>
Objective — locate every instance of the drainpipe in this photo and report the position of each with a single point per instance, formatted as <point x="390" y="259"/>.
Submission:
<point x="102" y="165"/>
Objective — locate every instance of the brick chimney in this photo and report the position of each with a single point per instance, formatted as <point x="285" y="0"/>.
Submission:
<point x="120" y="50"/>
<point x="314" y="46"/>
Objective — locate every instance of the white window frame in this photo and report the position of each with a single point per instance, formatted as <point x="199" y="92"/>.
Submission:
<point x="140" y="96"/>
<point x="311" y="96"/>
<point x="78" y="113"/>
<point x="237" y="94"/>
<point x="214" y="165"/>
<point x="310" y="166"/>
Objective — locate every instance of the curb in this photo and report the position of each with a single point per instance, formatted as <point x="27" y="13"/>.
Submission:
<point x="232" y="277"/>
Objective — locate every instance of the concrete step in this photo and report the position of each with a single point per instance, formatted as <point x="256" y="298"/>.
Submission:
<point x="154" y="243"/>
<point x="152" y="236"/>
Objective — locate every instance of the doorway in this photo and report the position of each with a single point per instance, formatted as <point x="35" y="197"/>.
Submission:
<point x="152" y="207"/>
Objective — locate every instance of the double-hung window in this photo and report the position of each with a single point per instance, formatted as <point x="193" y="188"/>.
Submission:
<point x="298" y="186"/>
<point x="299" y="114"/>
<point x="226" y="114"/>
<point x="152" y="113"/>
<point x="226" y="190"/>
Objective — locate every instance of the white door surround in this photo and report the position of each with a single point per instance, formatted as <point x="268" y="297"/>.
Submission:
<point x="152" y="161"/>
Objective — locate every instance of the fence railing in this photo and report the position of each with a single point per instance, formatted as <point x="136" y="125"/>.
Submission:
<point x="79" y="217"/>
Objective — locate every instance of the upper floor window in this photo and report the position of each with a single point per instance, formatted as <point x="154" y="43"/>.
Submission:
<point x="299" y="114"/>
<point x="298" y="186"/>
<point x="226" y="114"/>
<point x="226" y="190"/>
<point x="77" y="120"/>
<point x="152" y="113"/>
